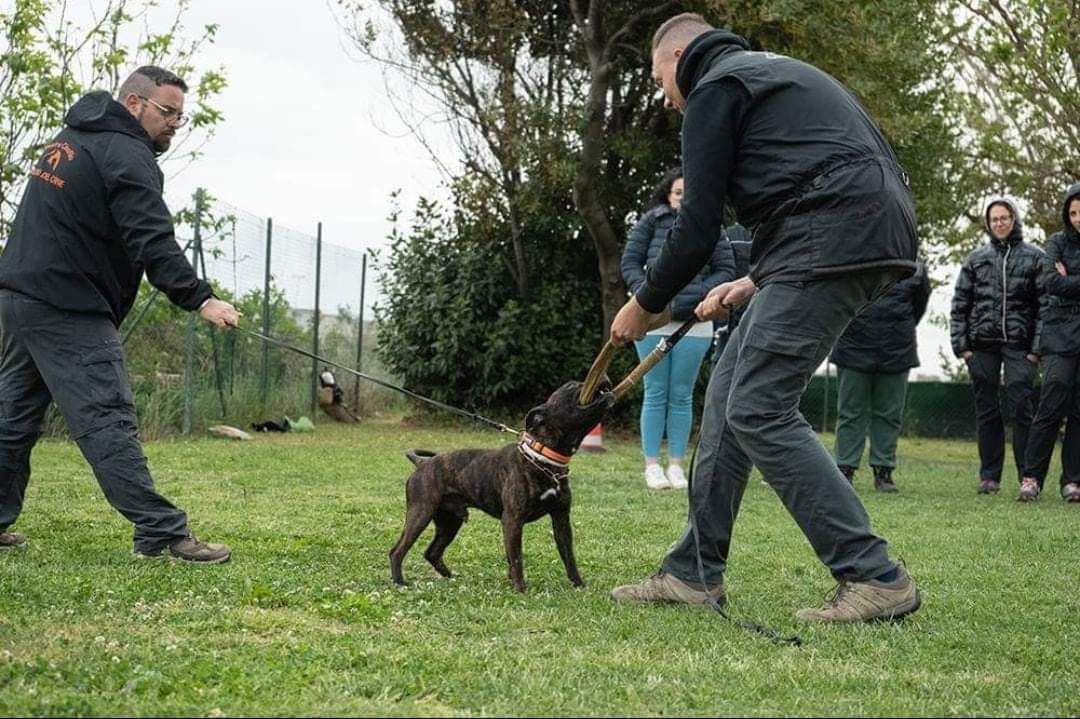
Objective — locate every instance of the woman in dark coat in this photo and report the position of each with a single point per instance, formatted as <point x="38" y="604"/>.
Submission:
<point x="1059" y="347"/>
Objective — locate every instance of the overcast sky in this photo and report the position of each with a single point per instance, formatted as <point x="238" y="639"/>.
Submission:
<point x="307" y="135"/>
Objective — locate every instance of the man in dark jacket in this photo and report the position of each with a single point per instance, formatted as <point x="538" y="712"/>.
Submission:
<point x="834" y="226"/>
<point x="91" y="221"/>
<point x="995" y="322"/>
<point x="1060" y="350"/>
<point x="873" y="358"/>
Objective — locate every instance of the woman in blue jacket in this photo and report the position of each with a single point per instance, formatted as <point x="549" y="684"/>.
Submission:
<point x="669" y="386"/>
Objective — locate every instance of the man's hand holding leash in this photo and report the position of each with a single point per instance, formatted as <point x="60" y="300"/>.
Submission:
<point x="219" y="313"/>
<point x="631" y="323"/>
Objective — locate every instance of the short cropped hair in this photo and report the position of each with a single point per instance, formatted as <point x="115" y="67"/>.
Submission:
<point x="146" y="78"/>
<point x="683" y="28"/>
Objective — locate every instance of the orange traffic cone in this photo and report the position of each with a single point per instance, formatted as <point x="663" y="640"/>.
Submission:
<point x="594" y="440"/>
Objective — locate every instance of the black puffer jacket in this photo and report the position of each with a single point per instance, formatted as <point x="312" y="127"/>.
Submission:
<point x="92" y="220"/>
<point x="996" y="302"/>
<point x="1061" y="309"/>
<point x="881" y="338"/>
<point x="643" y="247"/>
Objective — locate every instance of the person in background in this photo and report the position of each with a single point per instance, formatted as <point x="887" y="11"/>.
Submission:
<point x="873" y="358"/>
<point x="1060" y="350"/>
<point x="667" y="406"/>
<point x="995" y="322"/>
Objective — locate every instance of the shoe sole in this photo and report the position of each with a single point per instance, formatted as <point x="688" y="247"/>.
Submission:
<point x="182" y="560"/>
<point x="185" y="560"/>
<point x="670" y="602"/>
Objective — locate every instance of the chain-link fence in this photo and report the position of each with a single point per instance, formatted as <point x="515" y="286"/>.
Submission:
<point x="308" y="292"/>
<point x="296" y="287"/>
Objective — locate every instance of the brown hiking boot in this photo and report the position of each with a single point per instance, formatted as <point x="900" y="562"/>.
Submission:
<point x="848" y="471"/>
<point x="867" y="601"/>
<point x="190" y="549"/>
<point x="12" y="540"/>
<point x="665" y="587"/>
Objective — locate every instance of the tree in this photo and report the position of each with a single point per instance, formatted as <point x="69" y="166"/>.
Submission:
<point x="1016" y="64"/>
<point x="512" y="79"/>
<point x="562" y="131"/>
<point x="48" y="59"/>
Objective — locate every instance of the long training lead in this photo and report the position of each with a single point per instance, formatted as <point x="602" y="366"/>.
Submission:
<point x="435" y="403"/>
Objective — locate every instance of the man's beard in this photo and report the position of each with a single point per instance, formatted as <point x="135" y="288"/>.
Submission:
<point x="161" y="143"/>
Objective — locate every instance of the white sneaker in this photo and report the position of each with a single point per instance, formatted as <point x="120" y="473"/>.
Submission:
<point x="676" y="476"/>
<point x="654" y="477"/>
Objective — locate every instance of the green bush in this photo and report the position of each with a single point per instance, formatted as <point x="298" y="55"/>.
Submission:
<point x="454" y="326"/>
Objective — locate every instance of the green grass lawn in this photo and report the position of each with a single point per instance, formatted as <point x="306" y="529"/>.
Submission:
<point x="304" y="620"/>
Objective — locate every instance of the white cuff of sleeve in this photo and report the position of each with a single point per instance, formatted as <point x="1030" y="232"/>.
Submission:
<point x="205" y="302"/>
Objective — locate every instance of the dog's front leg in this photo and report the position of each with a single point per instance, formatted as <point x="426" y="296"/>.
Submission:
<point x="512" y="526"/>
<point x="564" y="540"/>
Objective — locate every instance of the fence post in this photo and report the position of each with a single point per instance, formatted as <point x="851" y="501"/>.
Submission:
<point x="189" y="354"/>
<point x="315" y="328"/>
<point x="360" y="335"/>
<point x="264" y="379"/>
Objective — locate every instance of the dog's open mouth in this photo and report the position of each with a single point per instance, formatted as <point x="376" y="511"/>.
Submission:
<point x="599" y="390"/>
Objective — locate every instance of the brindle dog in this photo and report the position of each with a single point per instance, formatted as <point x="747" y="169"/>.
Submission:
<point x="519" y="483"/>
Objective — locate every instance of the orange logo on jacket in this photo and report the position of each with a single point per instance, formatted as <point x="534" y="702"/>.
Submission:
<point x="55" y="153"/>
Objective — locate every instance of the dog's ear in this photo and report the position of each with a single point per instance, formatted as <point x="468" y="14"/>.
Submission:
<point x="535" y="418"/>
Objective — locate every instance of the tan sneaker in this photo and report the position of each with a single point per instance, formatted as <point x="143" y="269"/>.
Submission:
<point x="867" y="601"/>
<point x="190" y="549"/>
<point x="664" y="587"/>
<point x="12" y="540"/>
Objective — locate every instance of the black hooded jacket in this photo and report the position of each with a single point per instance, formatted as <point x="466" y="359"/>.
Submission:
<point x="1061" y="309"/>
<point x="997" y="298"/>
<point x="92" y="220"/>
<point x="801" y="162"/>
<point x="881" y="338"/>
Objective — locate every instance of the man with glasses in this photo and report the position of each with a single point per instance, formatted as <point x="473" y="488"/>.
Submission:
<point x="92" y="220"/>
<point x="995" y="323"/>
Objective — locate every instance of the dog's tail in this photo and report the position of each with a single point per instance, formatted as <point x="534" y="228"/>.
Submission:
<point x="416" y="456"/>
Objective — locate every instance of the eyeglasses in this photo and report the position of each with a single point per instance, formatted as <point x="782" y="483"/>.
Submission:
<point x="1000" y="220"/>
<point x="170" y="114"/>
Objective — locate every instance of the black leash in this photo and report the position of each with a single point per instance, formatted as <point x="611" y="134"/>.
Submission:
<point x="464" y="413"/>
<point x="776" y="637"/>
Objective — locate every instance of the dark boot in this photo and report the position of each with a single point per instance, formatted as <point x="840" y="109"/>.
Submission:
<point x="883" y="480"/>
<point x="848" y="471"/>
